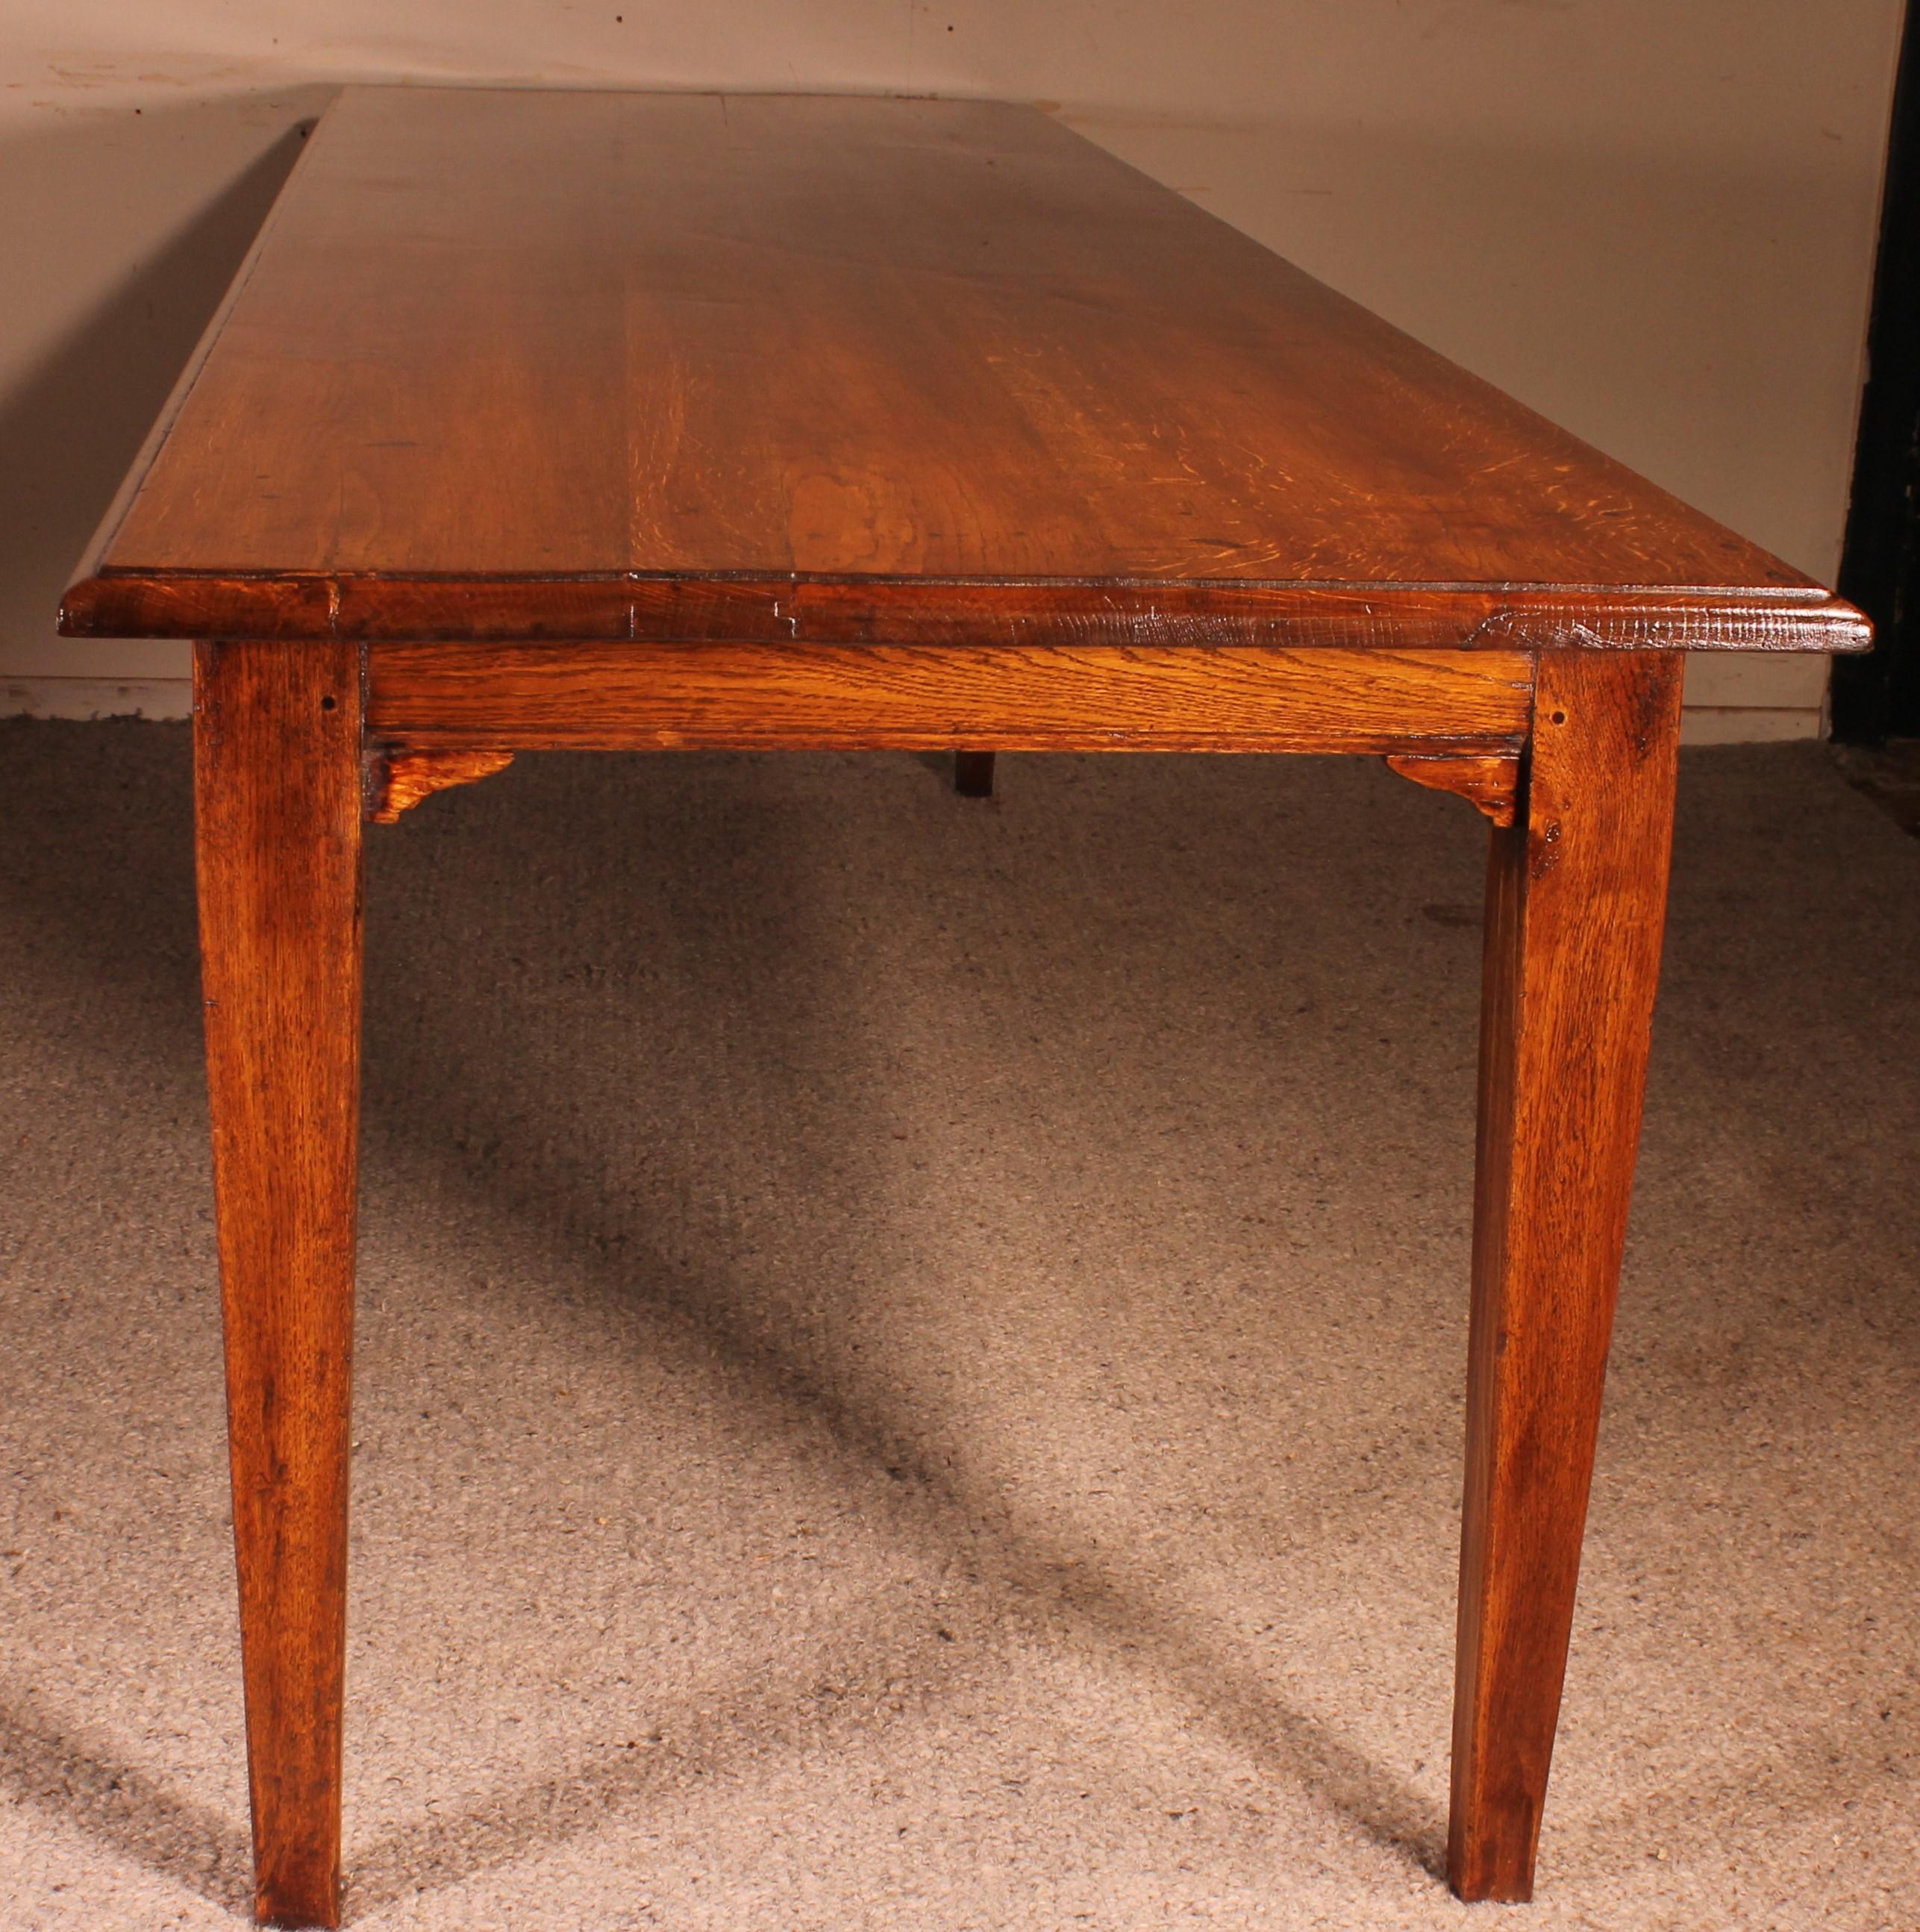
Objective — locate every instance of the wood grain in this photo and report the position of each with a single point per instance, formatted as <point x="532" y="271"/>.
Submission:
<point x="623" y="420"/>
<point x="396" y="781"/>
<point x="677" y="366"/>
<point x="1490" y="784"/>
<point x="278" y="829"/>
<point x="798" y="610"/>
<point x="1575" y="900"/>
<point x="458" y="697"/>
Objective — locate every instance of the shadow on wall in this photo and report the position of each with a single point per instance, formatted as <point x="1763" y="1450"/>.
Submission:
<point x="73" y="422"/>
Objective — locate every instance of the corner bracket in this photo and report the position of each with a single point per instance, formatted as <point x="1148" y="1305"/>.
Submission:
<point x="1490" y="782"/>
<point x="396" y="781"/>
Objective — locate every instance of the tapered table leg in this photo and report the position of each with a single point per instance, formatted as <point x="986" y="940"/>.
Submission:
<point x="1575" y="900"/>
<point x="973" y="774"/>
<point x="277" y="819"/>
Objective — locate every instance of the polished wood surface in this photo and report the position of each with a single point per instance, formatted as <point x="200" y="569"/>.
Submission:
<point x="682" y="366"/>
<point x="277" y="828"/>
<point x="394" y="780"/>
<point x="597" y="420"/>
<point x="1489" y="782"/>
<point x="1576" y="896"/>
<point x="839" y="697"/>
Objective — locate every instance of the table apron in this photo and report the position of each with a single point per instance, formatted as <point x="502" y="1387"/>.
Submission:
<point x="636" y="696"/>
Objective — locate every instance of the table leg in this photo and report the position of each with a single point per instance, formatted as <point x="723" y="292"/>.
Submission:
<point x="1575" y="900"/>
<point x="973" y="774"/>
<point x="278" y="824"/>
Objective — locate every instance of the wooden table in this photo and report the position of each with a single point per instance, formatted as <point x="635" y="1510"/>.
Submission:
<point x="632" y="420"/>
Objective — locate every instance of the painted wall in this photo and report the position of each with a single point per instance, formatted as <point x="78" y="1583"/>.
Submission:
<point x="1653" y="220"/>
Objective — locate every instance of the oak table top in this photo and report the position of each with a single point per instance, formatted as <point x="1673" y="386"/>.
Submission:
<point x="842" y="369"/>
<point x="633" y="421"/>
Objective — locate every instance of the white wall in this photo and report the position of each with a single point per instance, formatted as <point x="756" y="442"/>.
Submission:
<point x="1653" y="220"/>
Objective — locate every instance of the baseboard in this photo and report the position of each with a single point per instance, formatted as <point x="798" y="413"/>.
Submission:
<point x="1750" y="724"/>
<point x="154" y="698"/>
<point x="173" y="697"/>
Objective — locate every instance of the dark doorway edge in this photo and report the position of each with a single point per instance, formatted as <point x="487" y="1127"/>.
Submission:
<point x="1877" y="697"/>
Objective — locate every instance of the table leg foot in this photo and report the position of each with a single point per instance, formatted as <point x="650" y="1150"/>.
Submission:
<point x="973" y="774"/>
<point x="1576" y="901"/>
<point x="278" y="812"/>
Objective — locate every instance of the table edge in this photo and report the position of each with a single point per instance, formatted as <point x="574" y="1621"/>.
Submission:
<point x="792" y="607"/>
<point x="106" y="600"/>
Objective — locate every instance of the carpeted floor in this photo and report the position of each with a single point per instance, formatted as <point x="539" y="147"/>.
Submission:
<point x="910" y="1359"/>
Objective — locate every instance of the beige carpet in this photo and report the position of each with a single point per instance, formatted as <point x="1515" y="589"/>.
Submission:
<point x="910" y="1359"/>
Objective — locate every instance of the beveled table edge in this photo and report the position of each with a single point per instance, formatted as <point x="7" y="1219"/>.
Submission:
<point x="794" y="607"/>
